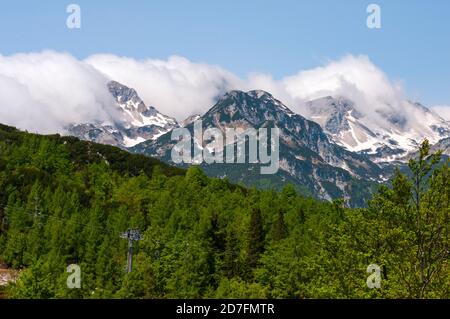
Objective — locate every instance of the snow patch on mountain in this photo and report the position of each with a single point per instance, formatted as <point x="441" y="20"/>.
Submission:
<point x="387" y="136"/>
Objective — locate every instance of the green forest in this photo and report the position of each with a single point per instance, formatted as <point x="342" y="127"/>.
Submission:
<point x="64" y="201"/>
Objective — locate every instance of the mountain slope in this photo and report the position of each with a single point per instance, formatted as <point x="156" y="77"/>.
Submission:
<point x="82" y="153"/>
<point x="307" y="157"/>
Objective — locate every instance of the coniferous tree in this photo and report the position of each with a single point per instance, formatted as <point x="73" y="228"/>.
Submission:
<point x="231" y="256"/>
<point x="279" y="228"/>
<point x="206" y="237"/>
<point x="255" y="239"/>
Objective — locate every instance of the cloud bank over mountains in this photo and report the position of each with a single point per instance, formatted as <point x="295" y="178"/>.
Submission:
<point x="46" y="91"/>
<point x="176" y="86"/>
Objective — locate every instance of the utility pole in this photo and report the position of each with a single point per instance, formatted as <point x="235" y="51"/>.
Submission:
<point x="37" y="212"/>
<point x="131" y="235"/>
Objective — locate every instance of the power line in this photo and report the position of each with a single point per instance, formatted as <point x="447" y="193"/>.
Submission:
<point x="37" y="214"/>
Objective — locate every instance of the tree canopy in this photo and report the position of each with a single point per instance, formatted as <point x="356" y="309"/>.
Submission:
<point x="65" y="201"/>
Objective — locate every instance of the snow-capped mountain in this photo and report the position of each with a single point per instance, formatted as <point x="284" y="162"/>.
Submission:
<point x="384" y="133"/>
<point x="138" y="122"/>
<point x="338" y="151"/>
<point x="307" y="157"/>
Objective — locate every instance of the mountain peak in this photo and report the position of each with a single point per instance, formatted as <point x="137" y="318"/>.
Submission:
<point x="256" y="94"/>
<point x="384" y="132"/>
<point x="123" y="92"/>
<point x="138" y="122"/>
<point x="254" y="107"/>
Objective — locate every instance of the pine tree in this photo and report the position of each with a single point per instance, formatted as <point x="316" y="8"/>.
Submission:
<point x="255" y="240"/>
<point x="231" y="256"/>
<point x="279" y="229"/>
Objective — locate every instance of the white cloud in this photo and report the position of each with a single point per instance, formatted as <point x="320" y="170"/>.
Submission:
<point x="443" y="111"/>
<point x="356" y="73"/>
<point x="353" y="77"/>
<point x="45" y="91"/>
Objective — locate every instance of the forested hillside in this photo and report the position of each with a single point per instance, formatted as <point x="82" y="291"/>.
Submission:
<point x="65" y="201"/>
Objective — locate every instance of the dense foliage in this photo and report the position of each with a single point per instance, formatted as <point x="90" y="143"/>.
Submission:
<point x="64" y="201"/>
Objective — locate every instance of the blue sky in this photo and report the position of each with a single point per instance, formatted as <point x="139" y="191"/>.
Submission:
<point x="276" y="37"/>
